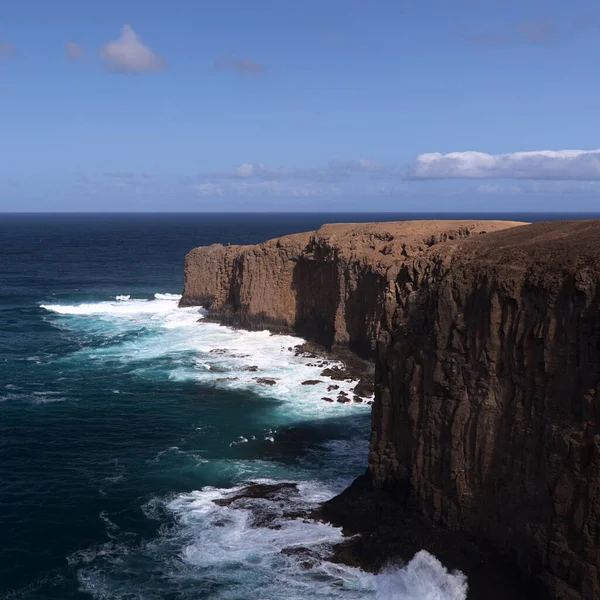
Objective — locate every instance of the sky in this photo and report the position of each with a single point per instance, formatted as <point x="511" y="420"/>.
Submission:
<point x="282" y="105"/>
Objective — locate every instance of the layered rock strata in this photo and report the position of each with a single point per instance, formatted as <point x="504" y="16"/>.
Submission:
<point x="487" y="353"/>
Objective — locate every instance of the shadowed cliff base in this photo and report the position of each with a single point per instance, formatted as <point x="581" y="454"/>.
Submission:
<point x="487" y="381"/>
<point x="390" y="533"/>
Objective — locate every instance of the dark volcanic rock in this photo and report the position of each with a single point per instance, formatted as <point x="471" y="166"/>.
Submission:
<point x="270" y="514"/>
<point x="327" y="399"/>
<point x="364" y="388"/>
<point x="391" y="534"/>
<point x="311" y="382"/>
<point x="265" y="381"/>
<point x="331" y="388"/>
<point x="252" y="368"/>
<point x="336" y="373"/>
<point x="265" y="491"/>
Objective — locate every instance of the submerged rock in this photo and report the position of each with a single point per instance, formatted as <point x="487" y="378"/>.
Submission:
<point x="265" y="491"/>
<point x="265" y="381"/>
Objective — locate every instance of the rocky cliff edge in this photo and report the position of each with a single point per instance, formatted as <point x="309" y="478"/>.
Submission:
<point x="487" y="352"/>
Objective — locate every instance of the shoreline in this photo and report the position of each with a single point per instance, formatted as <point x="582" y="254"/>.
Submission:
<point x="353" y="367"/>
<point x="379" y="531"/>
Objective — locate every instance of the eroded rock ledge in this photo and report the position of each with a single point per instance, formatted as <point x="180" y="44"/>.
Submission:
<point x="487" y="352"/>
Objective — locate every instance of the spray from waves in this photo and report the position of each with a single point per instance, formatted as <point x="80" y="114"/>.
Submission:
<point x="123" y="305"/>
<point x="218" y="546"/>
<point x="210" y="354"/>
<point x="424" y="578"/>
<point x="226" y="544"/>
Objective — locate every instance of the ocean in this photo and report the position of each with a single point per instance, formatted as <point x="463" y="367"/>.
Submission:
<point x="123" y="418"/>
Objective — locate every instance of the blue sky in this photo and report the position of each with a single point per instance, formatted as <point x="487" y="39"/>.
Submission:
<point x="316" y="105"/>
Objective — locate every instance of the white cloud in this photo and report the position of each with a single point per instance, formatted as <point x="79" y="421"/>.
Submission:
<point x="249" y="170"/>
<point x="129" y="55"/>
<point x="334" y="169"/>
<point x="208" y="189"/>
<point x="542" y="173"/>
<point x="494" y="188"/>
<point x="74" y="51"/>
<point x="542" y="164"/>
<point x="254" y="188"/>
<point x="362" y="165"/>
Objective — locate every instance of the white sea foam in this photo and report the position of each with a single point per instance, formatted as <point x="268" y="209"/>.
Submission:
<point x="254" y="551"/>
<point x="36" y="398"/>
<point x="123" y="297"/>
<point x="222" y="552"/>
<point x="424" y="578"/>
<point x="205" y="352"/>
<point x="288" y="556"/>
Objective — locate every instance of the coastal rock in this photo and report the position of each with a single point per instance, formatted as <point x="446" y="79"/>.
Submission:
<point x="487" y="381"/>
<point x="265" y="381"/>
<point x="364" y="389"/>
<point x="311" y="382"/>
<point x="354" y="267"/>
<point x="487" y="391"/>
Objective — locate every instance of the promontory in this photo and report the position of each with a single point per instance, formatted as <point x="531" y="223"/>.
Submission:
<point x="486" y="342"/>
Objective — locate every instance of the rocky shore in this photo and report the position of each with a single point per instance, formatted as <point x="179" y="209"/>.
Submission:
<point x="486" y="342"/>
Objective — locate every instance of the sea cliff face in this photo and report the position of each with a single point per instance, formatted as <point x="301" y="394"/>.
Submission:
<point x="487" y="352"/>
<point x="334" y="286"/>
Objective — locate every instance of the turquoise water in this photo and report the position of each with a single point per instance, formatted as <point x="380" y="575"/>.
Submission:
<point x="122" y="418"/>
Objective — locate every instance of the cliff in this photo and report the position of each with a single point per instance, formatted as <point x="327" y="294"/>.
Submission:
<point x="334" y="286"/>
<point x="487" y="380"/>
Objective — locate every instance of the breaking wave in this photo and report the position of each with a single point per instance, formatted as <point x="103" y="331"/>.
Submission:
<point x="210" y="542"/>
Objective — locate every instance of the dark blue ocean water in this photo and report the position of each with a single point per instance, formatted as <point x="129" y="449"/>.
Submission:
<point x="123" y="417"/>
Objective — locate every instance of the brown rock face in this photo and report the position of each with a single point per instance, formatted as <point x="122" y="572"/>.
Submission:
<point x="487" y="382"/>
<point x="335" y="286"/>
<point x="487" y="397"/>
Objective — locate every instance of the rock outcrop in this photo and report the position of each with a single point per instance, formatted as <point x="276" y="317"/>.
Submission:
<point x="487" y="382"/>
<point x="335" y="286"/>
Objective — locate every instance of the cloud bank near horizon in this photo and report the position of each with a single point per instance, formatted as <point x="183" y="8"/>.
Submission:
<point x="538" y="173"/>
<point x="578" y="165"/>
